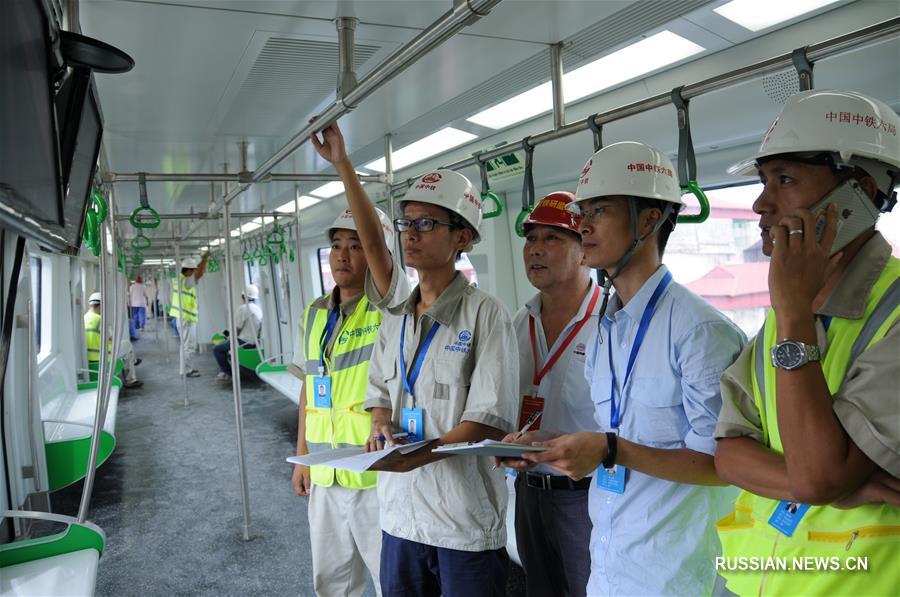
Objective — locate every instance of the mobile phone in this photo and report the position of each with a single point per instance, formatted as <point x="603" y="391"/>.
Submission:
<point x="856" y="213"/>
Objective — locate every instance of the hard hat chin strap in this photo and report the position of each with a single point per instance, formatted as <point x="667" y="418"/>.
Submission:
<point x="635" y="245"/>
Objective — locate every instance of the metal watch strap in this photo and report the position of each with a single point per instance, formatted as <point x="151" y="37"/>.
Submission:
<point x="612" y="443"/>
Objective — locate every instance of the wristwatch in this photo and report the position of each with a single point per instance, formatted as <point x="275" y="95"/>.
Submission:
<point x="793" y="354"/>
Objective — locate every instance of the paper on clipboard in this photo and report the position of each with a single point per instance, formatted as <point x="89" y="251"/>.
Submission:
<point x="488" y="447"/>
<point x="325" y="457"/>
<point x="354" y="459"/>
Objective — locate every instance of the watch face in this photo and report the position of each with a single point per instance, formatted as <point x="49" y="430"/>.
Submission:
<point x="789" y="355"/>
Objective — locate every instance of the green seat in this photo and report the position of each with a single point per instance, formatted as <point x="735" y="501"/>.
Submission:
<point x="67" y="459"/>
<point x="249" y="358"/>
<point x="270" y="368"/>
<point x="94" y="366"/>
<point x="76" y="537"/>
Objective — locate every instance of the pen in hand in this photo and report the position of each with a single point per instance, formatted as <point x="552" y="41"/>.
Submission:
<point x="531" y="420"/>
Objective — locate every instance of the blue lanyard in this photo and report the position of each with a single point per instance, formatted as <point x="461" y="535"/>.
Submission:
<point x="826" y="321"/>
<point x="410" y="382"/>
<point x="615" y="410"/>
<point x="326" y="336"/>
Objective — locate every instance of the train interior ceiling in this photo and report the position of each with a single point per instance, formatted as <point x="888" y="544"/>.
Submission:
<point x="220" y="91"/>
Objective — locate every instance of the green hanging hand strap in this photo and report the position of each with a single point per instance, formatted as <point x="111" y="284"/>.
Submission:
<point x="527" y="187"/>
<point x="687" y="161"/>
<point x="141" y="242"/>
<point x="144" y="216"/>
<point x="520" y="219"/>
<point x="488" y="195"/>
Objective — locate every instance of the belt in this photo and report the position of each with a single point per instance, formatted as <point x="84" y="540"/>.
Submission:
<point x="546" y="481"/>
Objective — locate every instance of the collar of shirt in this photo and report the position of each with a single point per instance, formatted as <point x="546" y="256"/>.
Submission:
<point x="848" y="301"/>
<point x="635" y="307"/>
<point x="533" y="305"/>
<point x="330" y="300"/>
<point x="446" y="304"/>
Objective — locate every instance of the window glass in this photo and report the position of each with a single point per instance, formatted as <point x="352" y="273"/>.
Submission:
<point x="37" y="267"/>
<point x="721" y="259"/>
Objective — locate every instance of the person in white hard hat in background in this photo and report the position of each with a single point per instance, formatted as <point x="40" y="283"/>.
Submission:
<point x="248" y="319"/>
<point x="444" y="369"/>
<point x="93" y="339"/>
<point x="653" y="369"/>
<point x="184" y="310"/>
<point x="137" y="302"/>
<point x="553" y="528"/>
<point x="337" y="336"/>
<point x="810" y="413"/>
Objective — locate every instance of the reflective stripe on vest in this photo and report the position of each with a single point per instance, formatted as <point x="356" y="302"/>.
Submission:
<point x="189" y="308"/>
<point x="345" y="424"/>
<point x="871" y="531"/>
<point x="92" y="335"/>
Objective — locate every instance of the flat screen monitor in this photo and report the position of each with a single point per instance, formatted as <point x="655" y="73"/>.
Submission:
<point x="30" y="177"/>
<point x="83" y="159"/>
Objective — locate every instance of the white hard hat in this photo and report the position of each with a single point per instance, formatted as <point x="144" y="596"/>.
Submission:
<point x="345" y="222"/>
<point x="628" y="168"/>
<point x="94" y="299"/>
<point x="251" y="292"/>
<point x="190" y="262"/>
<point x="857" y="129"/>
<point x="452" y="191"/>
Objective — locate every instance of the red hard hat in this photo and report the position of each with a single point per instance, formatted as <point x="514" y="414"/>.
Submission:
<point x="551" y="211"/>
<point x="138" y="279"/>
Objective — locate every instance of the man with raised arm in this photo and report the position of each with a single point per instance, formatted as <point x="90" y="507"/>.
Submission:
<point x="810" y="422"/>
<point x="184" y="310"/>
<point x="654" y="369"/>
<point x="337" y="334"/>
<point x="444" y="370"/>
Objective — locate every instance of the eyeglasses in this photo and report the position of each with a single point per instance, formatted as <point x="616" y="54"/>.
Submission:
<point x="420" y="224"/>
<point x="589" y="213"/>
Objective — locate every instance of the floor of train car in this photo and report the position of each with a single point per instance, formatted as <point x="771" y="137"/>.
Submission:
<point x="169" y="498"/>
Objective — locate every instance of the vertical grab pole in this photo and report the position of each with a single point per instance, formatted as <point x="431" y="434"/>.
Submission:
<point x="235" y="371"/>
<point x="180" y="323"/>
<point x="118" y="329"/>
<point x="556" y="83"/>
<point x="165" y="308"/>
<point x="102" y="367"/>
<point x="297" y="245"/>
<point x="389" y="184"/>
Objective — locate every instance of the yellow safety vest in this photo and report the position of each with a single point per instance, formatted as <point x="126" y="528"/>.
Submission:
<point x="345" y="424"/>
<point x="190" y="302"/>
<point x="836" y="539"/>
<point x="92" y="336"/>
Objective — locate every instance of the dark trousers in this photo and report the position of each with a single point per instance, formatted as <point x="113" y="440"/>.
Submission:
<point x="139" y="317"/>
<point x="220" y="352"/>
<point x="553" y="534"/>
<point x="410" y="569"/>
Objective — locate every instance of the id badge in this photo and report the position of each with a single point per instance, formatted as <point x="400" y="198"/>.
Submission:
<point x="322" y="391"/>
<point x="413" y="424"/>
<point x="531" y="405"/>
<point x="611" y="479"/>
<point x="787" y="516"/>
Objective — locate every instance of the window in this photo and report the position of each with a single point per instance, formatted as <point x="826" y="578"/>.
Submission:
<point x="37" y="267"/>
<point x="326" y="280"/>
<point x="721" y="259"/>
<point x="40" y="274"/>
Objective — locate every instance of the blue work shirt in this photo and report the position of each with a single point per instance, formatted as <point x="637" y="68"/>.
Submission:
<point x="659" y="537"/>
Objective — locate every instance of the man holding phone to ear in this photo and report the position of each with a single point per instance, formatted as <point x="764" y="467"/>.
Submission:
<point x="810" y="422"/>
